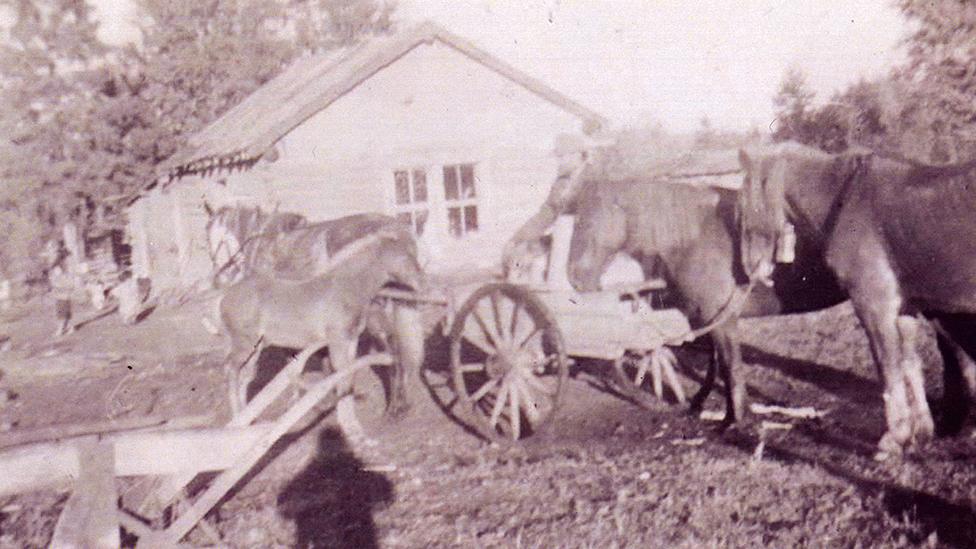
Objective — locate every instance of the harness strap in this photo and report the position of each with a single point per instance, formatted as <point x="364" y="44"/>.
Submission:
<point x="732" y="307"/>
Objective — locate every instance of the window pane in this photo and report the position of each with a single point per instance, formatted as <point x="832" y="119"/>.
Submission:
<point x="402" y="187"/>
<point x="421" y="216"/>
<point x="419" y="186"/>
<point x="467" y="180"/>
<point x="454" y="221"/>
<point x="451" y="191"/>
<point x="470" y="218"/>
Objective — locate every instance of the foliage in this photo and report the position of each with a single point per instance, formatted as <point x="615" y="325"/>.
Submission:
<point x="86" y="123"/>
<point x="922" y="110"/>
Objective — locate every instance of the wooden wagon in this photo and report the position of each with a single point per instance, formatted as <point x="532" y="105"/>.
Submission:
<point x="511" y="346"/>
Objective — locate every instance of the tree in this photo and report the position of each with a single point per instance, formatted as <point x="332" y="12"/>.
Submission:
<point x="50" y="60"/>
<point x="86" y="124"/>
<point x="939" y="79"/>
<point x="792" y="100"/>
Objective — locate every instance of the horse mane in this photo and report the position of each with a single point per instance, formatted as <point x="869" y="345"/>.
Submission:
<point x="678" y="215"/>
<point x="661" y="215"/>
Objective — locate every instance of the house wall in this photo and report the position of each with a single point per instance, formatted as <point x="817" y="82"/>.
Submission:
<point x="432" y="107"/>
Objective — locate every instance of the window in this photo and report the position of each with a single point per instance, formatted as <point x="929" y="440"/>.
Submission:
<point x="461" y="199"/>
<point x="410" y="198"/>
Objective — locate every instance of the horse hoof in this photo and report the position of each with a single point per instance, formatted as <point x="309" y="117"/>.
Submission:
<point x="889" y="450"/>
<point x="924" y="430"/>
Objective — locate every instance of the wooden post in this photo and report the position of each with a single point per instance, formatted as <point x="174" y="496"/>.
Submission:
<point x="89" y="519"/>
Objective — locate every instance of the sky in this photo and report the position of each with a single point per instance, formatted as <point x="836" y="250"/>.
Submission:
<point x="671" y="62"/>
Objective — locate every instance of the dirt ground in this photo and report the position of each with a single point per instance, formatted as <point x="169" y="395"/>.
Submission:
<point x="607" y="474"/>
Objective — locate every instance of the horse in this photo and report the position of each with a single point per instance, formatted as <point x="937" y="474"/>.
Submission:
<point x="687" y="236"/>
<point x="329" y="309"/>
<point x="286" y="245"/>
<point x="900" y="237"/>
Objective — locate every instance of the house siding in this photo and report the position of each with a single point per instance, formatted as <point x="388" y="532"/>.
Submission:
<point x="432" y="107"/>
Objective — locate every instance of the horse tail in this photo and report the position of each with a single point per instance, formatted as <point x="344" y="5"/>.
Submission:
<point x="408" y="331"/>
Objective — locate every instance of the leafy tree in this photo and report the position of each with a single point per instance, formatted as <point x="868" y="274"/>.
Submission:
<point x="85" y="123"/>
<point x="938" y="81"/>
<point x="50" y="61"/>
<point x="793" y="101"/>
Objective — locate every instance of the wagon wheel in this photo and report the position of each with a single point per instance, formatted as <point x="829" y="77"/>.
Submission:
<point x="508" y="361"/>
<point x="641" y="376"/>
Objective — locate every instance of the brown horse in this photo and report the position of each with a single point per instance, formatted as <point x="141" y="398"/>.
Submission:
<point x="900" y="237"/>
<point x="329" y="309"/>
<point x="686" y="235"/>
<point x="285" y="245"/>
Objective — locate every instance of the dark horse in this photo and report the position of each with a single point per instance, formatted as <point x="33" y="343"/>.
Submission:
<point x="330" y="308"/>
<point x="901" y="238"/>
<point x="245" y="240"/>
<point x="686" y="235"/>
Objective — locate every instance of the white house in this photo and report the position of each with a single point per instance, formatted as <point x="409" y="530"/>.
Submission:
<point x="421" y="124"/>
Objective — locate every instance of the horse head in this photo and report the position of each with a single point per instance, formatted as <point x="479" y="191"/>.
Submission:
<point x="599" y="232"/>
<point x="761" y="210"/>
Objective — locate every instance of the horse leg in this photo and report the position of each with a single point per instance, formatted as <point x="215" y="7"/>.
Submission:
<point x="383" y="325"/>
<point x="698" y="401"/>
<point x="879" y="317"/>
<point x="729" y="352"/>
<point x="407" y="348"/>
<point x="239" y="369"/>
<point x="922" y="425"/>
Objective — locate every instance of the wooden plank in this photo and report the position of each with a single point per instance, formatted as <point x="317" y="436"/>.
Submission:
<point x="171" y="487"/>
<point x="35" y="466"/>
<point x="229" y="478"/>
<point x="57" y="432"/>
<point x="89" y="519"/>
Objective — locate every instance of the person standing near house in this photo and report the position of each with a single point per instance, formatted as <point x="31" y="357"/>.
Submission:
<point x="573" y="156"/>
<point x="62" y="286"/>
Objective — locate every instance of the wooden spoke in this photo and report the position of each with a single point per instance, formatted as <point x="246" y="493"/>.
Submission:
<point x="530" y="338"/>
<point x="669" y="361"/>
<point x="530" y="405"/>
<point x="496" y="411"/>
<point x="641" y="374"/>
<point x="487" y="328"/>
<point x="500" y="327"/>
<point x="484" y="389"/>
<point x="478" y="339"/>
<point x="514" y="416"/>
<point x="471" y="367"/>
<point x="656" y="376"/>
<point x="513" y="321"/>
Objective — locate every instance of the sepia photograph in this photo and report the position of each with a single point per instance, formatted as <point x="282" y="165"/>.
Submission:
<point x="487" y="273"/>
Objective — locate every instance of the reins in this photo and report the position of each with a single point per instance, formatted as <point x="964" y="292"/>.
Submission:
<point x="732" y="307"/>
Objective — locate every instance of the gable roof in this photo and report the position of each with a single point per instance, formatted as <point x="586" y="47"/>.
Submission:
<point x="244" y="133"/>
